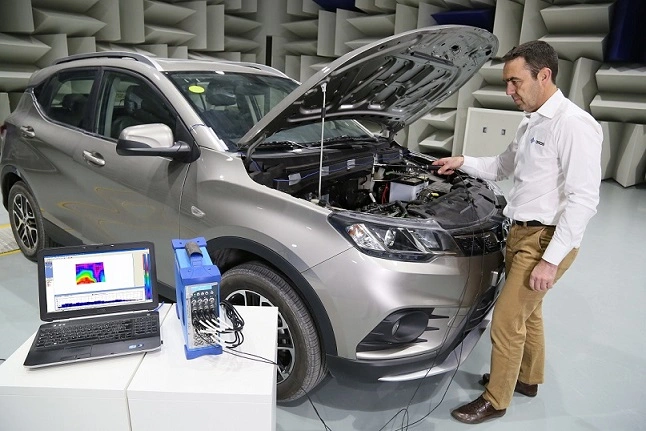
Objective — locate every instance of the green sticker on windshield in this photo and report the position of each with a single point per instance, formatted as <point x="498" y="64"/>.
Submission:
<point x="196" y="89"/>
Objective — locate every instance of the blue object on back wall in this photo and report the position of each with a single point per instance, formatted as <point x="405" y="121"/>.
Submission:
<point x="627" y="38"/>
<point x="332" y="5"/>
<point x="481" y="18"/>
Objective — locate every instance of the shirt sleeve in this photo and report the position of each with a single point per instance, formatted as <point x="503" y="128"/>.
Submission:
<point x="492" y="168"/>
<point x="579" y="150"/>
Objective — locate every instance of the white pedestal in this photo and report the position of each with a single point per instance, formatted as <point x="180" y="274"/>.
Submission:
<point x="160" y="390"/>
<point x="73" y="397"/>
<point x="226" y="392"/>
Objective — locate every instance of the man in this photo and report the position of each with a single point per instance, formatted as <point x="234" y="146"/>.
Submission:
<point x="555" y="162"/>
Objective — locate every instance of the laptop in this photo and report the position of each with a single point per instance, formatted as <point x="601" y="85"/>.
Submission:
<point x="100" y="301"/>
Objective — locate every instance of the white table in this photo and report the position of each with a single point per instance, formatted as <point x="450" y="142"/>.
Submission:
<point x="219" y="392"/>
<point x="148" y="391"/>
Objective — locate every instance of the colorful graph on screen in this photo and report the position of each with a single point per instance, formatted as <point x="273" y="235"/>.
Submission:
<point x="88" y="273"/>
<point x="147" y="280"/>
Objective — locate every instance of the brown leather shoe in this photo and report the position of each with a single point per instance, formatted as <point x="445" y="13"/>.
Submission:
<point x="521" y="388"/>
<point x="478" y="410"/>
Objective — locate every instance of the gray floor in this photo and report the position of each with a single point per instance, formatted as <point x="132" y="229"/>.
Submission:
<point x="596" y="360"/>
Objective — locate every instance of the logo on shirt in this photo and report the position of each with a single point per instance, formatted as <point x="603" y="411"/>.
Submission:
<point x="536" y="141"/>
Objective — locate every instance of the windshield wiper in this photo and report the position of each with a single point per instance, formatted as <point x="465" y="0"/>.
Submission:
<point x="345" y="138"/>
<point x="282" y="144"/>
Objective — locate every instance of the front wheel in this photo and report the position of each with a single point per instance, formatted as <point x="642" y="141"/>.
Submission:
<point x="301" y="364"/>
<point x="26" y="221"/>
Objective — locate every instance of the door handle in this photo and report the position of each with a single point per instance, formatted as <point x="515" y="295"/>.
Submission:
<point x="93" y="158"/>
<point x="27" y="131"/>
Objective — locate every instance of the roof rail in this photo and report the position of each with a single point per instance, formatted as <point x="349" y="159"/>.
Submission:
<point x="110" y="54"/>
<point x="258" y="66"/>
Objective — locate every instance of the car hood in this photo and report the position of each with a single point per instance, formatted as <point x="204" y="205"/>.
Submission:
<point x="391" y="82"/>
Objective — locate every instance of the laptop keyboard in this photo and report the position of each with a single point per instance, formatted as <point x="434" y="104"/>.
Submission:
<point x="78" y="333"/>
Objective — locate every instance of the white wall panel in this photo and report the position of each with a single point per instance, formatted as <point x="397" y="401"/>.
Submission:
<point x="107" y="11"/>
<point x="17" y="17"/>
<point x="488" y="132"/>
<point x="46" y="21"/>
<point x="21" y="49"/>
<point x="631" y="164"/>
<point x="81" y="45"/>
<point x="506" y="27"/>
<point x="612" y="136"/>
<point x="57" y="48"/>
<point x="304" y="38"/>
<point x="405" y="18"/>
<point x="131" y="17"/>
<point x="584" y="84"/>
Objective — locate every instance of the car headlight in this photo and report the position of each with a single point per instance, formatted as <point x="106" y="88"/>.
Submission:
<point x="398" y="239"/>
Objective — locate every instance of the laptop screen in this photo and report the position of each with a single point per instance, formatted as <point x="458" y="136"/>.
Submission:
<point x="96" y="279"/>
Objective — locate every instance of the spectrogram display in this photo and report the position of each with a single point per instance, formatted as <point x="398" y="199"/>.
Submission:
<point x="88" y="273"/>
<point x="147" y="281"/>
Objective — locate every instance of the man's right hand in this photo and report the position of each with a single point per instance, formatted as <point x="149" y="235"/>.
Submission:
<point x="449" y="164"/>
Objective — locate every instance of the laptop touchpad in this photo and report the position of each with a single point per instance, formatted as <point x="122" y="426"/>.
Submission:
<point x="76" y="353"/>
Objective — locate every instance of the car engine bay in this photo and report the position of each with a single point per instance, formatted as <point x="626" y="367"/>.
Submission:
<point x="382" y="179"/>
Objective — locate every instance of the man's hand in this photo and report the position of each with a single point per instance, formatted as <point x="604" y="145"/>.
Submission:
<point x="449" y="164"/>
<point x="542" y="276"/>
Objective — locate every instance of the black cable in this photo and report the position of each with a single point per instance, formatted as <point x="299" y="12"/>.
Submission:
<point x="327" y="428"/>
<point x="405" y="423"/>
<point x="238" y="323"/>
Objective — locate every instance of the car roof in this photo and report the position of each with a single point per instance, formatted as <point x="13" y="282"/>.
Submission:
<point x="138" y="61"/>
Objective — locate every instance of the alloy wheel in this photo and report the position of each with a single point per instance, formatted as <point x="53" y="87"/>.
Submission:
<point x="286" y="354"/>
<point x="24" y="221"/>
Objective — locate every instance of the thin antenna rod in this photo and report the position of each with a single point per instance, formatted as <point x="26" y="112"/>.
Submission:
<point x="323" y="88"/>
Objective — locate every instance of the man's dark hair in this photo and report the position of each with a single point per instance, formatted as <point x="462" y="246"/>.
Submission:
<point x="537" y="55"/>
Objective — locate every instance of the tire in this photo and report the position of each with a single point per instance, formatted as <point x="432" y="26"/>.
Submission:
<point x="301" y="364"/>
<point x="26" y="221"/>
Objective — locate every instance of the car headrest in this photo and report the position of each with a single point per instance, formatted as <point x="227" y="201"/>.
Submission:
<point x="74" y="102"/>
<point x="140" y="102"/>
<point x="220" y="96"/>
<point x="133" y="98"/>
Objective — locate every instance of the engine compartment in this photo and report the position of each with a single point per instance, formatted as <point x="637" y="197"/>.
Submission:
<point x="381" y="179"/>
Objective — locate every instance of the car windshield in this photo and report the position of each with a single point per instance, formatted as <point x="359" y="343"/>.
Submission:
<point x="232" y="103"/>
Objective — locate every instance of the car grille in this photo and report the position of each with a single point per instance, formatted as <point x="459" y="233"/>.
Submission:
<point x="483" y="242"/>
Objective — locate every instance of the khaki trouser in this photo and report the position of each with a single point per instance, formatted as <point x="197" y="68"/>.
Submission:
<point x="517" y="338"/>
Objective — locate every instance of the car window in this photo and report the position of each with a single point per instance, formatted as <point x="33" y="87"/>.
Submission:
<point x="64" y="98"/>
<point x="126" y="100"/>
<point x="232" y="103"/>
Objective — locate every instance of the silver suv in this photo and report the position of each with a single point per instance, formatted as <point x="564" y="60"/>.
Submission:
<point x="380" y="269"/>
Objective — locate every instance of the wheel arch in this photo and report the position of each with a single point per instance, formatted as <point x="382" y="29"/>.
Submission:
<point x="10" y="177"/>
<point x="227" y="252"/>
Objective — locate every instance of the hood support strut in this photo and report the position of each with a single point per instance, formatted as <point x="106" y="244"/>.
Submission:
<point x="323" y="89"/>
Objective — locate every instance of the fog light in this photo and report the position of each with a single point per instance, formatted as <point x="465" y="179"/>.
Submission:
<point x="408" y="327"/>
<point x="398" y="328"/>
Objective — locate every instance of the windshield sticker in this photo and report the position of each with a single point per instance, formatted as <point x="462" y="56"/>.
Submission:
<point x="196" y="89"/>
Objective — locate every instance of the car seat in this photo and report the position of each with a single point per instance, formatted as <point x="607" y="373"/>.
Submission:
<point x="225" y="117"/>
<point x="142" y="106"/>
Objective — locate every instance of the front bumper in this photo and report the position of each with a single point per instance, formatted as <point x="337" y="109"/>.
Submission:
<point x="453" y="353"/>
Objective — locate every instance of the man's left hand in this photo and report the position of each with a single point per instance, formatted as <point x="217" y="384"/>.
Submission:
<point x="542" y="276"/>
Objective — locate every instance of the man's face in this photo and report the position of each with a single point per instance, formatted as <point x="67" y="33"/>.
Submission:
<point x="525" y="90"/>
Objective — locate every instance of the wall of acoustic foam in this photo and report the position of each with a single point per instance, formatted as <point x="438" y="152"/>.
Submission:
<point x="601" y="46"/>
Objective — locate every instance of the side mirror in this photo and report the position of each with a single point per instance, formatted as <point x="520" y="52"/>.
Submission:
<point x="153" y="140"/>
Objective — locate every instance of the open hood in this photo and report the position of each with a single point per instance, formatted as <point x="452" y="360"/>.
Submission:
<point x="391" y="82"/>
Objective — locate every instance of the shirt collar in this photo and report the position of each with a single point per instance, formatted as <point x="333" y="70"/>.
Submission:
<point x="549" y="108"/>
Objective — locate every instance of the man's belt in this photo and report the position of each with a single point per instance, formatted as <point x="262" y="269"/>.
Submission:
<point x="531" y="223"/>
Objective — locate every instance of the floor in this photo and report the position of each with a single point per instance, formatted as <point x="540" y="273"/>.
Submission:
<point x="596" y="360"/>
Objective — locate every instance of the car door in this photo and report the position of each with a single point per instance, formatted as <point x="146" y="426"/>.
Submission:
<point x="128" y="198"/>
<point x="50" y="130"/>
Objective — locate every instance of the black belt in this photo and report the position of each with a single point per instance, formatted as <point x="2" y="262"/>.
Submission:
<point x="531" y="223"/>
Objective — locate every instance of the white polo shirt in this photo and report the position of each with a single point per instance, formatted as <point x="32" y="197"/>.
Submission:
<point x="555" y="159"/>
